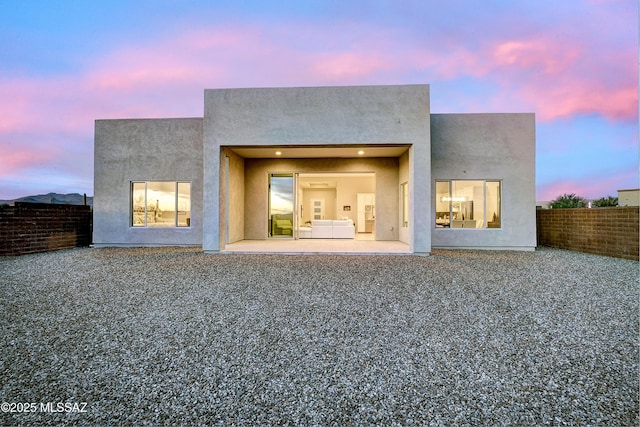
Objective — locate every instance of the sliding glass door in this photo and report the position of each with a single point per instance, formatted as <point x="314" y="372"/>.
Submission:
<point x="282" y="202"/>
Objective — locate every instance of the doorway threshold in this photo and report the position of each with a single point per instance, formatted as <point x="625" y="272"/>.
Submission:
<point x="318" y="247"/>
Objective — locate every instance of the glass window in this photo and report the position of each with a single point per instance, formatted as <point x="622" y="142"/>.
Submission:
<point x="467" y="204"/>
<point x="281" y="201"/>
<point x="161" y="204"/>
<point x="184" y="204"/>
<point x="443" y="204"/>
<point x="493" y="204"/>
<point x="138" y="191"/>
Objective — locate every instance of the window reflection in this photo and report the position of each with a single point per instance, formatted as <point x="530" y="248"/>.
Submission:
<point x="281" y="205"/>
<point x="161" y="204"/>
<point x="493" y="204"/>
<point x="139" y="204"/>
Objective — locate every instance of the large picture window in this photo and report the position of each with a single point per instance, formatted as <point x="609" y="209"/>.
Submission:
<point x="161" y="204"/>
<point x="468" y="204"/>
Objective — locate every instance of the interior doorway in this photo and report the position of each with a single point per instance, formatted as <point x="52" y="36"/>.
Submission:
<point x="366" y="213"/>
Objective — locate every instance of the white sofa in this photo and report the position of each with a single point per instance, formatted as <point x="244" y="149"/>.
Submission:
<point x="343" y="229"/>
<point x="329" y="229"/>
<point x="304" y="232"/>
<point x="322" y="229"/>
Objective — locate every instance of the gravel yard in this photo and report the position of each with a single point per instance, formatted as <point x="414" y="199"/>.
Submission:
<point x="174" y="336"/>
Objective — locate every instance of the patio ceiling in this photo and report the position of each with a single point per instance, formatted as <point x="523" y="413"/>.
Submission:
<point x="319" y="151"/>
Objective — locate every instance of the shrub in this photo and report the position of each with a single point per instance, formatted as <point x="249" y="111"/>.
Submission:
<point x="568" y="201"/>
<point x="605" y="202"/>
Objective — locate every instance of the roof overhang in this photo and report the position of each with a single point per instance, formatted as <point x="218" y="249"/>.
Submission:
<point x="319" y="151"/>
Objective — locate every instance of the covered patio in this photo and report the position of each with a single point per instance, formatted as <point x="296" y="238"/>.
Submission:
<point x="318" y="246"/>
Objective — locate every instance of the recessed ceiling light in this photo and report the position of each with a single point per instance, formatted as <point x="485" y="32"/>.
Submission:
<point x="360" y="152"/>
<point x="278" y="153"/>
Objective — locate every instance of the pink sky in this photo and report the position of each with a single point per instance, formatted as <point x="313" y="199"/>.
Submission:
<point x="574" y="65"/>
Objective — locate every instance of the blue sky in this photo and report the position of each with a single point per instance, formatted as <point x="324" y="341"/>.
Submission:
<point x="574" y="63"/>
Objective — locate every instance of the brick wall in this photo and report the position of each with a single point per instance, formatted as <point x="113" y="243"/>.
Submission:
<point x="603" y="231"/>
<point x="37" y="227"/>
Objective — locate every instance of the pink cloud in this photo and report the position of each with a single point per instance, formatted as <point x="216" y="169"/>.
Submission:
<point x="13" y="159"/>
<point x="542" y="74"/>
<point x="552" y="77"/>
<point x="347" y="65"/>
<point x="47" y="116"/>
<point x="210" y="58"/>
<point x="535" y="54"/>
<point x="615" y="103"/>
<point x="562" y="79"/>
<point x="591" y="187"/>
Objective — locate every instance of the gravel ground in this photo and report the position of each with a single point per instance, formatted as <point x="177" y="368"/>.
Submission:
<point x="176" y="337"/>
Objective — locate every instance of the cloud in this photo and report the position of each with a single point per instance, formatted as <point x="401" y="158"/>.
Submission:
<point x="573" y="84"/>
<point x="347" y="65"/>
<point x="590" y="187"/>
<point x="555" y="78"/>
<point x="13" y="158"/>
<point x="533" y="54"/>
<point x="507" y="64"/>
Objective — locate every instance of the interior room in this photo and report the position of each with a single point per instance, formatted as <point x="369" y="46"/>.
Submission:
<point x="315" y="197"/>
<point x="344" y="199"/>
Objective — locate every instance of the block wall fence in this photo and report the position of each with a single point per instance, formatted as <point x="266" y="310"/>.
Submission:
<point x="38" y="227"/>
<point x="35" y="227"/>
<point x="602" y="231"/>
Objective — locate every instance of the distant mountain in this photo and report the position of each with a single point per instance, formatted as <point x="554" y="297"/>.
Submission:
<point x="53" y="198"/>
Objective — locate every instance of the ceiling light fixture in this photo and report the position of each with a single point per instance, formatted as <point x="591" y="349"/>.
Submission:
<point x="360" y="152"/>
<point x="278" y="153"/>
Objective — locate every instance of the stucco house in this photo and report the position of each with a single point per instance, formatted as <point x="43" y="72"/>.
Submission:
<point x="317" y="163"/>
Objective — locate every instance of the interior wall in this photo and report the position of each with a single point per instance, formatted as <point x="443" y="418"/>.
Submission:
<point x="256" y="186"/>
<point x="344" y="195"/>
<point x="348" y="189"/>
<point x="329" y="197"/>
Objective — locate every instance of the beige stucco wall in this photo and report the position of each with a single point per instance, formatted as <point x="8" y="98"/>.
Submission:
<point x="440" y="146"/>
<point x="488" y="146"/>
<point x="144" y="150"/>
<point x="257" y="177"/>
<point x="233" y="180"/>
<point x="347" y="194"/>
<point x="318" y="116"/>
<point x="403" y="176"/>
<point x="628" y="197"/>
<point x="330" y="197"/>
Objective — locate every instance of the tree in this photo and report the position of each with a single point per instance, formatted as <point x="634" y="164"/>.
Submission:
<point x="605" y="202"/>
<point x="568" y="201"/>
